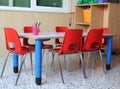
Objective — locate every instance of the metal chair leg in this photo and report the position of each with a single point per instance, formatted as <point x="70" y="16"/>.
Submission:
<point x="4" y="65"/>
<point x="88" y="59"/>
<point x="69" y="64"/>
<point x="31" y="63"/>
<point x="93" y="64"/>
<point x="60" y="70"/>
<point x="47" y="53"/>
<point x="43" y="52"/>
<point x="79" y="60"/>
<point x="23" y="59"/>
<point x="64" y="62"/>
<point x="102" y="62"/>
<point x="52" y="64"/>
<point x="24" y="64"/>
<point x="83" y="67"/>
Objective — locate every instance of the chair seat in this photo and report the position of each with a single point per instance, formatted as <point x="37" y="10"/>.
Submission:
<point x="32" y="47"/>
<point x="23" y="50"/>
<point x="44" y="46"/>
<point x="56" y="50"/>
<point x="47" y="46"/>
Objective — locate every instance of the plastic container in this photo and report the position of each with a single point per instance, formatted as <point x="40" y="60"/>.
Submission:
<point x="93" y="1"/>
<point x="102" y="1"/>
<point x="35" y="30"/>
<point x="86" y="15"/>
<point x="86" y="1"/>
<point x="80" y="2"/>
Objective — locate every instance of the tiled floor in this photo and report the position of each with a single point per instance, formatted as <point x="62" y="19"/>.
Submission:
<point x="96" y="79"/>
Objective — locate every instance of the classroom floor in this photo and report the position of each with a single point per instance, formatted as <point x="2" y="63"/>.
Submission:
<point x="74" y="79"/>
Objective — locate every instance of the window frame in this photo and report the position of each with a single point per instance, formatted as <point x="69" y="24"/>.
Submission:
<point x="36" y="8"/>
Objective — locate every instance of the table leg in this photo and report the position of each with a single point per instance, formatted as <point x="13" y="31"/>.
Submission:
<point x="15" y="61"/>
<point x="38" y="61"/>
<point x="109" y="52"/>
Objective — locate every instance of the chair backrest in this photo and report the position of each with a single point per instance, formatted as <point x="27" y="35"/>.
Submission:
<point x="93" y="40"/>
<point x="105" y="31"/>
<point x="60" y="29"/>
<point x="26" y="29"/>
<point x="72" y="41"/>
<point x="12" y="38"/>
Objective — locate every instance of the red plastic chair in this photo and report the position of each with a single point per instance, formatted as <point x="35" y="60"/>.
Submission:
<point x="28" y="29"/>
<point x="104" y="40"/>
<point x="12" y="37"/>
<point x="93" y="43"/>
<point x="60" y="29"/>
<point x="71" y="44"/>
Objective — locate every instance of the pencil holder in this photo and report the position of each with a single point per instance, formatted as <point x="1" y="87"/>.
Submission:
<point x="35" y="30"/>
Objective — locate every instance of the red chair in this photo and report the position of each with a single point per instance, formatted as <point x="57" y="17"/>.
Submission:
<point x="58" y="43"/>
<point x="60" y="29"/>
<point x="93" y="43"/>
<point x="71" y="44"/>
<point x="104" y="40"/>
<point x="28" y="29"/>
<point x="105" y="31"/>
<point x="12" y="37"/>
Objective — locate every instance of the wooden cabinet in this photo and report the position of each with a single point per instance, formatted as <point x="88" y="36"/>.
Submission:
<point x="101" y="15"/>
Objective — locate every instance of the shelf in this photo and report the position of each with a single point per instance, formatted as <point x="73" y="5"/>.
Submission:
<point x="101" y="15"/>
<point x="86" y="24"/>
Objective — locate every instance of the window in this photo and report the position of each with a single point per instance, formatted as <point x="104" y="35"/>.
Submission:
<point x="21" y="3"/>
<point x="15" y="3"/>
<point x="4" y="3"/>
<point x="35" y="5"/>
<point x="49" y="3"/>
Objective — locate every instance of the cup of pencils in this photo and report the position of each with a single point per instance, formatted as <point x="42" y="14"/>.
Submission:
<point x="35" y="28"/>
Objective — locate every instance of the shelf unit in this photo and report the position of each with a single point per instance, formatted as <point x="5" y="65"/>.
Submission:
<point x="101" y="15"/>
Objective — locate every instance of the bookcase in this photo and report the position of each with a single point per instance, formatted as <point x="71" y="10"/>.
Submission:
<point x="101" y="15"/>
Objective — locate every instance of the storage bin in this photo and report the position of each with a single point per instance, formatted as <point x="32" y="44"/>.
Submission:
<point x="93" y="1"/>
<point x="86" y="15"/>
<point x="86" y="1"/>
<point x="102" y="1"/>
<point x="80" y="2"/>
